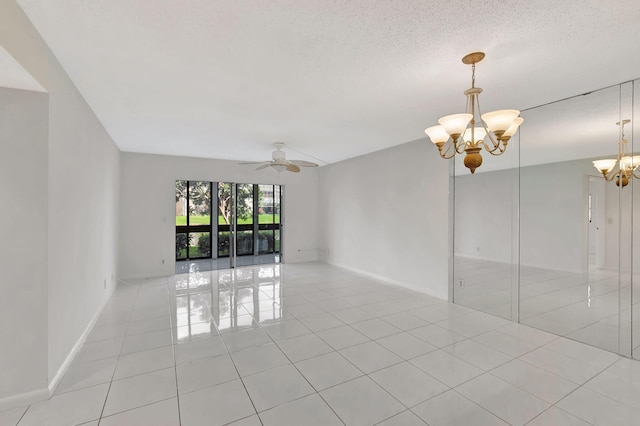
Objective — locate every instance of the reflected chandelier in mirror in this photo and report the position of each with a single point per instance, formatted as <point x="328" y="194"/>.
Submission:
<point x="623" y="167"/>
<point x="459" y="131"/>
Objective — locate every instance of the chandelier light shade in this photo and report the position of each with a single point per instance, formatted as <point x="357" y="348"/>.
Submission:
<point x="623" y="167"/>
<point x="478" y="134"/>
<point x="458" y="133"/>
<point x="455" y="124"/>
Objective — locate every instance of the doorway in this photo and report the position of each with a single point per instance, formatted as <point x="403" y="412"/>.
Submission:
<point x="222" y="225"/>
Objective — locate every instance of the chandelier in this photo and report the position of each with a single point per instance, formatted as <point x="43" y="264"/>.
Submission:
<point x="623" y="167"/>
<point x="460" y="133"/>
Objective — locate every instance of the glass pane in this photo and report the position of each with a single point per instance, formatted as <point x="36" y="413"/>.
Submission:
<point x="485" y="234"/>
<point x="265" y="241"/>
<point x="570" y="266"/>
<point x="224" y="203"/>
<point x="199" y="203"/>
<point x="245" y="243"/>
<point x="182" y="242"/>
<point x="199" y="245"/>
<point x="266" y="204"/>
<point x="181" y="203"/>
<point x="276" y="203"/>
<point x="276" y="241"/>
<point x="244" y="205"/>
<point x="244" y="213"/>
<point x="634" y="297"/>
<point x="223" y="243"/>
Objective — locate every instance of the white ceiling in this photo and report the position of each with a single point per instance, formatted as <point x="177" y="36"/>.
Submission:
<point x="332" y="78"/>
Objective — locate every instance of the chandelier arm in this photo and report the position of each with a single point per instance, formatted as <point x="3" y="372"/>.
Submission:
<point x="461" y="147"/>
<point x="609" y="177"/>
<point x="633" y="173"/>
<point x="494" y="142"/>
<point x="445" y="153"/>
<point x="495" y="147"/>
<point x="500" y="148"/>
<point x="497" y="144"/>
<point x="447" y="157"/>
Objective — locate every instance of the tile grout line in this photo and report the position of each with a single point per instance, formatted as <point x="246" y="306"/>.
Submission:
<point x="173" y="352"/>
<point x="104" y="405"/>
<point x="557" y="408"/>
<point x="228" y="353"/>
<point x="363" y="373"/>
<point x="256" y="287"/>
<point x="292" y="364"/>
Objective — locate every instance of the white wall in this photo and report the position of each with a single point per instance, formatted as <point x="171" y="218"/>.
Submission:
<point x="23" y="241"/>
<point x="82" y="193"/>
<point x="147" y="213"/>
<point x="83" y="220"/>
<point x="484" y="206"/>
<point x="622" y="227"/>
<point x="554" y="215"/>
<point x="385" y="214"/>
<point x="553" y="212"/>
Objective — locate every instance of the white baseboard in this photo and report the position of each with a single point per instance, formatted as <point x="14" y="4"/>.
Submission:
<point x="55" y="381"/>
<point x="530" y="265"/>
<point x="384" y="279"/>
<point x="23" y="399"/>
<point x="28" y="398"/>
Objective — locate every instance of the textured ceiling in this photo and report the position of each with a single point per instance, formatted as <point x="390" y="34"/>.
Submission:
<point x="331" y="78"/>
<point x="14" y="76"/>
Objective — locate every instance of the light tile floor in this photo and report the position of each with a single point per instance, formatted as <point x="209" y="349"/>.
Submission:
<point x="311" y="344"/>
<point x="200" y="265"/>
<point x="593" y="308"/>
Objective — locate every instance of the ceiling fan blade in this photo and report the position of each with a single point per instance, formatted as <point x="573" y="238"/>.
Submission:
<point x="303" y="163"/>
<point x="253" y="162"/>
<point x="293" y="168"/>
<point x="264" y="166"/>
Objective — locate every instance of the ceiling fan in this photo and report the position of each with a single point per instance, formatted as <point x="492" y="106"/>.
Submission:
<point x="279" y="161"/>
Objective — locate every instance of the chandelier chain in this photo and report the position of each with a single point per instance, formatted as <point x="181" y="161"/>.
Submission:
<point x="473" y="75"/>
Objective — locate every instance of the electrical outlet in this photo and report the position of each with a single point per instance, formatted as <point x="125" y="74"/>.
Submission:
<point x="163" y="261"/>
<point x="461" y="283"/>
<point x="104" y="286"/>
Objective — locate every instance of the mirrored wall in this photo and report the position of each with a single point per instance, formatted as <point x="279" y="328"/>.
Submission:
<point x="542" y="238"/>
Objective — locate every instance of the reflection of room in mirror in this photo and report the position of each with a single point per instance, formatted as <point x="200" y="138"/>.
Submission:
<point x="545" y="240"/>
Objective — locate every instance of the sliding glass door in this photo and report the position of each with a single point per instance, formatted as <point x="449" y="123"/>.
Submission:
<point x="246" y="231"/>
<point x="193" y="220"/>
<point x="268" y="225"/>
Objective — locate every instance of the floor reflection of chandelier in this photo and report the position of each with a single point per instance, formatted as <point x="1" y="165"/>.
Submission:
<point x="623" y="167"/>
<point x="460" y="133"/>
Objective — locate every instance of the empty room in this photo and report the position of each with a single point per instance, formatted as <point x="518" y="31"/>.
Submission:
<point x="319" y="213"/>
